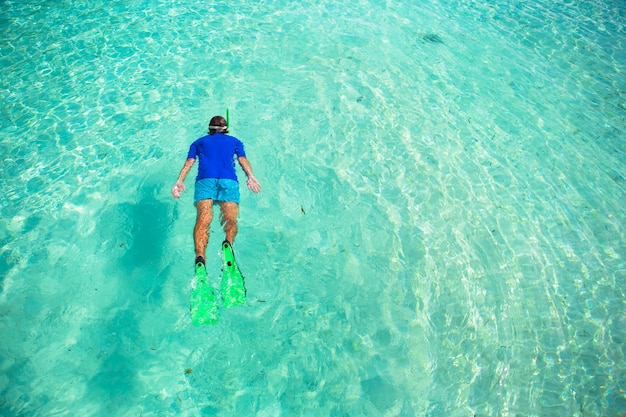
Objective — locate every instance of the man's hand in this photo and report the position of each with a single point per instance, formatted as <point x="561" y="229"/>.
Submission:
<point x="253" y="184"/>
<point x="178" y="188"/>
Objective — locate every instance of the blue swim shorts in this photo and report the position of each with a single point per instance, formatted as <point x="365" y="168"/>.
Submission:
<point x="217" y="190"/>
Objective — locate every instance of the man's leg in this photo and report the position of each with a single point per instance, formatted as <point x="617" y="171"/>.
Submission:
<point x="229" y="212"/>
<point x="232" y="284"/>
<point x="201" y="229"/>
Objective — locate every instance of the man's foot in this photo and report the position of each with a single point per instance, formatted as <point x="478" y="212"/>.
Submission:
<point x="201" y="274"/>
<point x="232" y="286"/>
<point x="203" y="307"/>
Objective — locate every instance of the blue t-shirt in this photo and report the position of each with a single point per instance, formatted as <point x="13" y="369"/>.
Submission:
<point x="216" y="154"/>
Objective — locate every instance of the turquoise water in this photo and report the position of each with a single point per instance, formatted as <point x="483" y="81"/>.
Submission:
<point x="441" y="230"/>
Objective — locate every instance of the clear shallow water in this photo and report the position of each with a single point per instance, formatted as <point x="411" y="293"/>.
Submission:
<point x="441" y="229"/>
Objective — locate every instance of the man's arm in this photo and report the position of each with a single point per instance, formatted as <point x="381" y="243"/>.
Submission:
<point x="180" y="186"/>
<point x="253" y="184"/>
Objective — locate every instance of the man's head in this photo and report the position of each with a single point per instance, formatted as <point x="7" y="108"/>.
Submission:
<point x="218" y="125"/>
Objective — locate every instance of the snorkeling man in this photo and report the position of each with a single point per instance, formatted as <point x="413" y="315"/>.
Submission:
<point x="216" y="182"/>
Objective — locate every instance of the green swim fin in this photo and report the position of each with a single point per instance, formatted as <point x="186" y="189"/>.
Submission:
<point x="233" y="286"/>
<point x="203" y="304"/>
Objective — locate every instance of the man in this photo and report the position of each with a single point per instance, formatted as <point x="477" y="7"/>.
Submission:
<point x="216" y="182"/>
